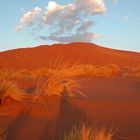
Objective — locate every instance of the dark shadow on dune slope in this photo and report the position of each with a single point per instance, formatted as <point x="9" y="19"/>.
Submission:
<point x="17" y="124"/>
<point x="68" y="117"/>
<point x="48" y="133"/>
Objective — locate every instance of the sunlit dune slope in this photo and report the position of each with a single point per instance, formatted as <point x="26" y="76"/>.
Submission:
<point x="42" y="56"/>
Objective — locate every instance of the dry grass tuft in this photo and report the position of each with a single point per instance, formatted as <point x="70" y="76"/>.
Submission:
<point x="10" y="89"/>
<point x="55" y="86"/>
<point x="107" y="70"/>
<point x="54" y="83"/>
<point x="91" y="70"/>
<point x="103" y="134"/>
<point x="133" y="72"/>
<point x="14" y="75"/>
<point x="7" y="74"/>
<point x="85" y="133"/>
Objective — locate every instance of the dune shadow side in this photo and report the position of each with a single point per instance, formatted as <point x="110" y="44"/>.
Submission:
<point x="48" y="132"/>
<point x="17" y="124"/>
<point x="68" y="117"/>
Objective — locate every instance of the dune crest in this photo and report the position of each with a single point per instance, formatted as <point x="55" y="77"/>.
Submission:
<point x="83" y="53"/>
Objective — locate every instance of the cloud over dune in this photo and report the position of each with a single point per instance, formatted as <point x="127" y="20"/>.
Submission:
<point x="66" y="23"/>
<point x="29" y="18"/>
<point x="87" y="36"/>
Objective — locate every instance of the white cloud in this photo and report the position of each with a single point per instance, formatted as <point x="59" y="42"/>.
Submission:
<point x="66" y="23"/>
<point x="29" y="18"/>
<point x="85" y="25"/>
<point x="80" y="37"/>
<point x="91" y="6"/>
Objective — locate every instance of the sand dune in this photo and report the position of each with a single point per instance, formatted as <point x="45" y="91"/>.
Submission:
<point x="112" y="102"/>
<point x="105" y="105"/>
<point x="83" y="53"/>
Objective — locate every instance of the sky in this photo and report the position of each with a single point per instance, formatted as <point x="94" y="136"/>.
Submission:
<point x="109" y="23"/>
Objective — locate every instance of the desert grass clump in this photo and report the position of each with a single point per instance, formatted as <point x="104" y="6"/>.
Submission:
<point x="78" y="133"/>
<point x="80" y="70"/>
<point x="7" y="74"/>
<point x="10" y="89"/>
<point x="39" y="76"/>
<point x="54" y="84"/>
<point x="14" y="75"/>
<point x="107" y="70"/>
<point x="90" y="70"/>
<point x="103" y="134"/>
<point x="86" y="133"/>
<point x="133" y="72"/>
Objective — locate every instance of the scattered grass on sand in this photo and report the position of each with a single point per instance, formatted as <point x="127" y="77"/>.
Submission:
<point x="85" y="133"/>
<point x="133" y="72"/>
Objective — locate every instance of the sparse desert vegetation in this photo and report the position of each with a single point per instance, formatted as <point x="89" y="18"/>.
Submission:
<point x="133" y="72"/>
<point x="79" y="133"/>
<point x="86" y="133"/>
<point x="57" y="80"/>
<point x="91" y="70"/>
<point x="51" y="81"/>
<point x="61" y="80"/>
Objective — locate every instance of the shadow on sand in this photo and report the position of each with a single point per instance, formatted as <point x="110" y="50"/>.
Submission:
<point x="68" y="117"/>
<point x="17" y="124"/>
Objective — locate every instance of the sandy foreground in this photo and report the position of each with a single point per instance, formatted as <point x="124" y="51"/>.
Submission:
<point x="113" y="103"/>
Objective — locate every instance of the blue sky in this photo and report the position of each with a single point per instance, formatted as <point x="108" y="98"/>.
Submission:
<point x="118" y="27"/>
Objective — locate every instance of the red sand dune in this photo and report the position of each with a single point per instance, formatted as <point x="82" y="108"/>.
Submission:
<point x="111" y="102"/>
<point x="42" y="56"/>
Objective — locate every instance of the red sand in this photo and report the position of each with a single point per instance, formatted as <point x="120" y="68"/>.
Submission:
<point x="111" y="102"/>
<point x="42" y="56"/>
